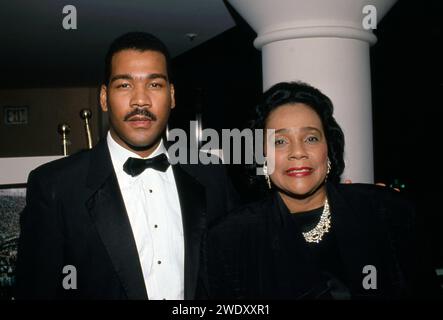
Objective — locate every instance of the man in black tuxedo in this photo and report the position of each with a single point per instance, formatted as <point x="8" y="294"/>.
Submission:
<point x="118" y="221"/>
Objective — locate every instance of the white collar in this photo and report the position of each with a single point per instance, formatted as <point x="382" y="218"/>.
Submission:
<point x="120" y="154"/>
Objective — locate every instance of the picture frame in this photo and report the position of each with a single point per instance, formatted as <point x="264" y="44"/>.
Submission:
<point x="13" y="178"/>
<point x="12" y="203"/>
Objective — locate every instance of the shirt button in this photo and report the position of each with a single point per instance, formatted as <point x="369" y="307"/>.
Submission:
<point x="155" y="226"/>
<point x="159" y="262"/>
<point x="150" y="190"/>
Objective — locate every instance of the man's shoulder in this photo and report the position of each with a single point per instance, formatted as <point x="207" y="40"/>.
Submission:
<point x="207" y="174"/>
<point x="248" y="216"/>
<point x="72" y="165"/>
<point x="200" y="168"/>
<point x="76" y="164"/>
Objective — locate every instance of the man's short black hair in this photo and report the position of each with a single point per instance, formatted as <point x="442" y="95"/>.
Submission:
<point x="140" y="41"/>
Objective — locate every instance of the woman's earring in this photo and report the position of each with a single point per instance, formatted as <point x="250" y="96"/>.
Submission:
<point x="329" y="170"/>
<point x="265" y="172"/>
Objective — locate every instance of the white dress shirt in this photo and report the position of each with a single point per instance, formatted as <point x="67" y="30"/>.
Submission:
<point x="153" y="207"/>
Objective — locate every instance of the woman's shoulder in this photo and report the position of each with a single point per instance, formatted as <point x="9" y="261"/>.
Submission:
<point x="371" y="192"/>
<point x="383" y="199"/>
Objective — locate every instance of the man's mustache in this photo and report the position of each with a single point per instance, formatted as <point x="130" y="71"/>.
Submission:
<point x="141" y="112"/>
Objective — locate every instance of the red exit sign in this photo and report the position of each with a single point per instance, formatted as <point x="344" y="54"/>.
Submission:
<point x="15" y="115"/>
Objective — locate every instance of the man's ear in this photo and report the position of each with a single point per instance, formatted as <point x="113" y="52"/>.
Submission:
<point x="104" y="98"/>
<point x="172" y="92"/>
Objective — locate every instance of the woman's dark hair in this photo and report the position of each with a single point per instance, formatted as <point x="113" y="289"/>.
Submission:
<point x="140" y="41"/>
<point x="298" y="92"/>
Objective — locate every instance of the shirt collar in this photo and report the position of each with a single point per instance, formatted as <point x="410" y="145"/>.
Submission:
<point x="120" y="154"/>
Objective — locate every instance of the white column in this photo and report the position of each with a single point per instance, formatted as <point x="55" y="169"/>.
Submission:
<point x="323" y="43"/>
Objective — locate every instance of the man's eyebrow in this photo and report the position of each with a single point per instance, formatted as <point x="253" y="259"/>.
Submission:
<point x="130" y="77"/>
<point x="157" y="75"/>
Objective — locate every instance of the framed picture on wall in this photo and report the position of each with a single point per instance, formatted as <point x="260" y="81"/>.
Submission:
<point x="13" y="177"/>
<point x="12" y="202"/>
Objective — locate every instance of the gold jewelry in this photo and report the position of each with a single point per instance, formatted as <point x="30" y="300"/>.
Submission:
<point x="322" y="227"/>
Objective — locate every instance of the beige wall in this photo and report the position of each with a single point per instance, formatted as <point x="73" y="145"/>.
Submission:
<point x="47" y="109"/>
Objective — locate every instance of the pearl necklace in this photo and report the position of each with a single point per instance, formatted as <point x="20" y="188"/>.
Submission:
<point x="322" y="227"/>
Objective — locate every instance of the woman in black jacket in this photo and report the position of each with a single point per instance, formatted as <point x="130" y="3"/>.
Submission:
<point x="312" y="237"/>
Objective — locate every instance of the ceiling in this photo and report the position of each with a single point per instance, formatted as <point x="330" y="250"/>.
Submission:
<point x="34" y="43"/>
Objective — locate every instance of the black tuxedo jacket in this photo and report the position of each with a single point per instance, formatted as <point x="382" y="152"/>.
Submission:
<point x="75" y="215"/>
<point x="253" y="254"/>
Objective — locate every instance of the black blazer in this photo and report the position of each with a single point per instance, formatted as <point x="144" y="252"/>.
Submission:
<point x="75" y="215"/>
<point x="252" y="254"/>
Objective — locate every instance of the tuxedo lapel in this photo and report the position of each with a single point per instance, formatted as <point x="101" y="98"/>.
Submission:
<point x="106" y="207"/>
<point x="192" y="203"/>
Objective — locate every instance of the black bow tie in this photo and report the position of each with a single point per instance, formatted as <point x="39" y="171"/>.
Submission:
<point x="134" y="166"/>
